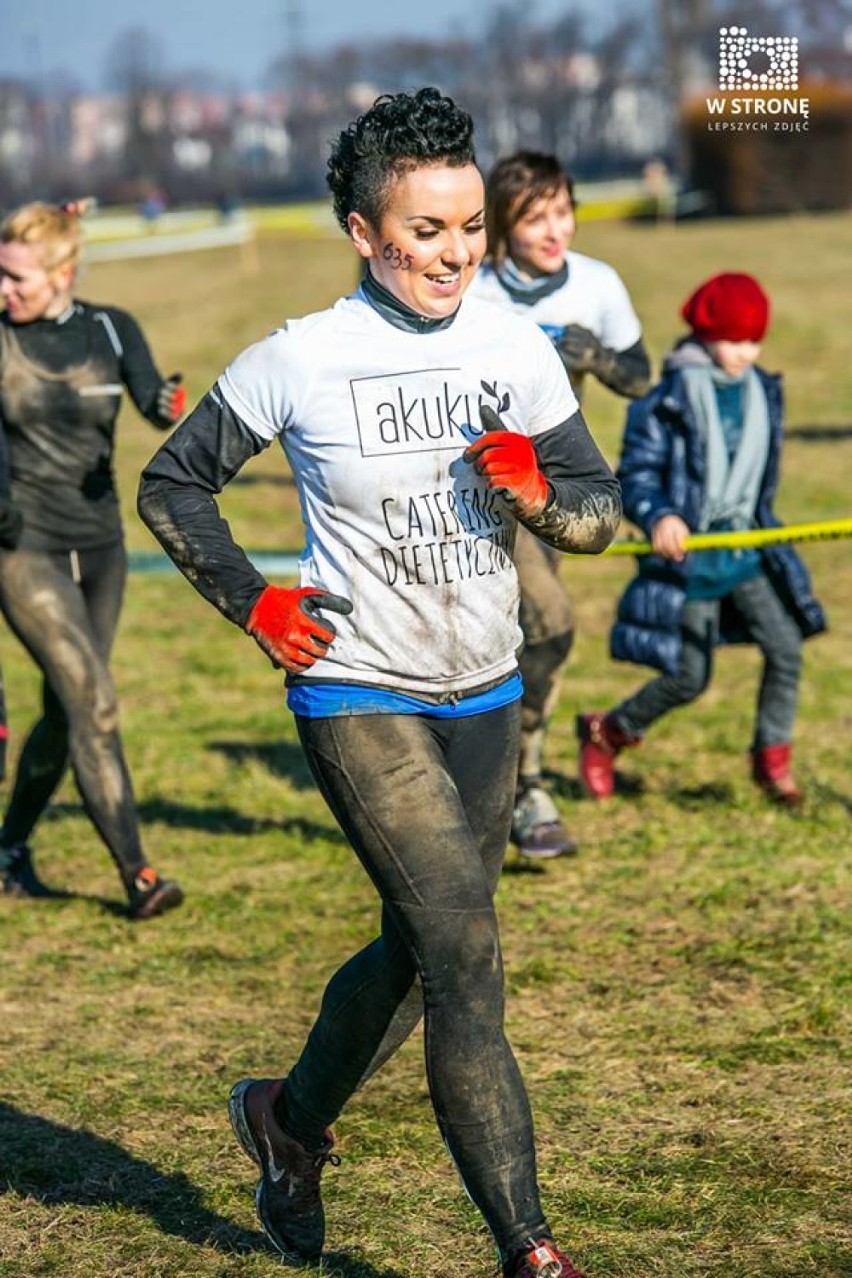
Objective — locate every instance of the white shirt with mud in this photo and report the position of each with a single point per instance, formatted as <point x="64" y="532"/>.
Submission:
<point x="593" y="296"/>
<point x="374" y="421"/>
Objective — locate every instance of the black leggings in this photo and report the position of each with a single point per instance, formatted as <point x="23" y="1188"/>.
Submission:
<point x="427" y="804"/>
<point x="64" y="608"/>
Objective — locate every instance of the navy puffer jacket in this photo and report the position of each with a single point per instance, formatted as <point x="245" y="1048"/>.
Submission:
<point x="662" y="472"/>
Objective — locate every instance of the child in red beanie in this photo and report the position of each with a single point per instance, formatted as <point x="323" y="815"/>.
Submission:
<point x="701" y="453"/>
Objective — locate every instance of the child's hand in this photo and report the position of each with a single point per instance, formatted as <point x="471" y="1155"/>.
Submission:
<point x="668" y="537"/>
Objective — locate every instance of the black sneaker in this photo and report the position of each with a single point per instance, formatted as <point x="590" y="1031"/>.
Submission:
<point x="287" y="1199"/>
<point x="18" y="873"/>
<point x="149" y="895"/>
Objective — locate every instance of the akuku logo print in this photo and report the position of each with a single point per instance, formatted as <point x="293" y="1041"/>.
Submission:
<point x="420" y="411"/>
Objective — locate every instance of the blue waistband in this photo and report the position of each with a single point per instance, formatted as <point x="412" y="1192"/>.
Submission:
<point x="332" y="700"/>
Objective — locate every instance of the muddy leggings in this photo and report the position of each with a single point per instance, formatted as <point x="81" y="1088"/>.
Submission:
<point x="64" y="608"/>
<point x="427" y="803"/>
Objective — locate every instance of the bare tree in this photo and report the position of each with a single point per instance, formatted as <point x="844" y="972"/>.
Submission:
<point x="135" y="69"/>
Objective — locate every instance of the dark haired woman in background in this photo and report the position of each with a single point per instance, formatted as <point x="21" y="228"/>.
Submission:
<point x="583" y="306"/>
<point x="420" y="428"/>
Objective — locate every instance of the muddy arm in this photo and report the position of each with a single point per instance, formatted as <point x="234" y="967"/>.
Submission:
<point x="583" y="511"/>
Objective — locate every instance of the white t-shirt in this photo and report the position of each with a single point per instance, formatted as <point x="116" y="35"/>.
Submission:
<point x="593" y="295"/>
<point x="373" y="421"/>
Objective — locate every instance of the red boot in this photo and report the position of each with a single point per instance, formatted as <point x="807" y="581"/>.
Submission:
<point x="770" y="769"/>
<point x="601" y="739"/>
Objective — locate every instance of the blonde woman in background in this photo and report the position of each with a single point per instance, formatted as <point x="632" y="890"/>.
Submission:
<point x="63" y="366"/>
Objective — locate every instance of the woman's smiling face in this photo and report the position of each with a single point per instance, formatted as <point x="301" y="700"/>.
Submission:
<point x="431" y="238"/>
<point x="539" y="238"/>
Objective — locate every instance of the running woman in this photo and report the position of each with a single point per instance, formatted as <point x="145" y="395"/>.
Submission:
<point x="63" y="364"/>
<point x="582" y="304"/>
<point x="421" y="428"/>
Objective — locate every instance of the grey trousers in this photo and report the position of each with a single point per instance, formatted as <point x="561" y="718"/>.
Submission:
<point x="768" y="624"/>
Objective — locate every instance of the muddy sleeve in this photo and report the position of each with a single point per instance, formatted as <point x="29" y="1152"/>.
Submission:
<point x="627" y="372"/>
<point x="177" y="501"/>
<point x="584" y="506"/>
<point x="138" y="371"/>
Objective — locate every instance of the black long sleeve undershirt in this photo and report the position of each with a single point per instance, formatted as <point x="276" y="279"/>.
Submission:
<point x="584" y="509"/>
<point x="176" y="500"/>
<point x="627" y="372"/>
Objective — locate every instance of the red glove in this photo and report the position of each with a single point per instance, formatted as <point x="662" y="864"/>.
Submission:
<point x="171" y="398"/>
<point x="508" y="462"/>
<point x="289" y="628"/>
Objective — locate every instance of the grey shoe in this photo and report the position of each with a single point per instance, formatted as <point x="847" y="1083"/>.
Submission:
<point x="536" y="828"/>
<point x="287" y="1199"/>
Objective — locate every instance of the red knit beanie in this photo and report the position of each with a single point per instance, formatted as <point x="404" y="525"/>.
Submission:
<point x="728" y="308"/>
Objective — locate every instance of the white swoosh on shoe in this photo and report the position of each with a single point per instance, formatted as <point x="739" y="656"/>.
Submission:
<point x="276" y="1173"/>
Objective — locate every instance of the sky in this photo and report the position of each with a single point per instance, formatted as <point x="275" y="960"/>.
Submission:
<point x="237" y="39"/>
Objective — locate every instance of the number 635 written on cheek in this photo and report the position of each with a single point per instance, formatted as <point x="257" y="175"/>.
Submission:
<point x="398" y="260"/>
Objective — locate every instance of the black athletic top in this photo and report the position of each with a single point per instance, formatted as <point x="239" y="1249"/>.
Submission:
<point x="10" y="519"/>
<point x="61" y="382"/>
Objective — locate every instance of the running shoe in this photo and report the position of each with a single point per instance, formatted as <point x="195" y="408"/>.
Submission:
<point x="288" y="1202"/>
<point x="536" y="829"/>
<point x="543" y="1259"/>
<point x="149" y="895"/>
<point x="18" y="873"/>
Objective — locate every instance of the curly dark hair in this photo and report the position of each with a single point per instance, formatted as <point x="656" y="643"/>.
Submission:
<point x="514" y="184"/>
<point x="400" y="132"/>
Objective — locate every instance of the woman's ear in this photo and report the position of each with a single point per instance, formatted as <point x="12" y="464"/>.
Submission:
<point x="63" y="277"/>
<point x="359" y="233"/>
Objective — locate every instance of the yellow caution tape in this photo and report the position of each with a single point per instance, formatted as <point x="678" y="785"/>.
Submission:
<point x="823" y="530"/>
<point x="286" y="563"/>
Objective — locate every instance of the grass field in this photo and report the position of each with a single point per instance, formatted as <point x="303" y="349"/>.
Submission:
<point x="679" y="993"/>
